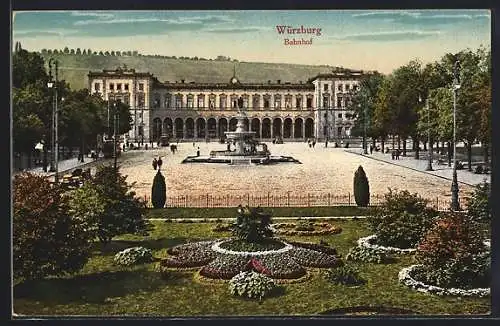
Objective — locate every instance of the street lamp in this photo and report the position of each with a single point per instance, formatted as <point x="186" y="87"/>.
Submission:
<point x="54" y="166"/>
<point x="455" y="205"/>
<point x="116" y="115"/>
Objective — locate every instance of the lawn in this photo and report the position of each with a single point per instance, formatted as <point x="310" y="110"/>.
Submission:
<point x="104" y="289"/>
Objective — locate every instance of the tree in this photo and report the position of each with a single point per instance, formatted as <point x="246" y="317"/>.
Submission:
<point x="384" y="114"/>
<point x="361" y="188"/>
<point x="84" y="52"/>
<point x="112" y="53"/>
<point x="106" y="53"/>
<point x="78" y="51"/>
<point x="135" y="53"/>
<point x="90" y="52"/>
<point x="46" y="239"/>
<point x="159" y="191"/>
<point x="100" y="53"/>
<point x="66" y="50"/>
<point x="72" y="51"/>
<point x="44" y="51"/>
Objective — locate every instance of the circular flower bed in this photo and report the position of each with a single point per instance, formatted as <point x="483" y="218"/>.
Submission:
<point x="368" y="242"/>
<point x="243" y="246"/>
<point x="405" y="276"/>
<point x="305" y="228"/>
<point x="288" y="262"/>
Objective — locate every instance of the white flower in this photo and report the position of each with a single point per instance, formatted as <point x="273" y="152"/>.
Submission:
<point x="367" y="243"/>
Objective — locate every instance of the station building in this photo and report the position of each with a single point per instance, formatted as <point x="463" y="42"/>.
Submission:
<point x="316" y="108"/>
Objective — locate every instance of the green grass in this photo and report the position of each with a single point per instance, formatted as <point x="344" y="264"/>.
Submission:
<point x="74" y="69"/>
<point x="104" y="289"/>
<point x="275" y="211"/>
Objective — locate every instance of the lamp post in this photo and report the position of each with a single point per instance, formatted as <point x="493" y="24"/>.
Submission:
<point x="114" y="135"/>
<point x="455" y="205"/>
<point x="55" y="150"/>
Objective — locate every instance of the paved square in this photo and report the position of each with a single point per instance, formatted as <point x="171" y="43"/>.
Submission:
<point x="323" y="170"/>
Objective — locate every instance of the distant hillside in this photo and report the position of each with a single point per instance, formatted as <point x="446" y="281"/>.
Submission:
<point x="74" y="69"/>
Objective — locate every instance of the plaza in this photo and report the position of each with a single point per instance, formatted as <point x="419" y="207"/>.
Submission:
<point x="323" y="170"/>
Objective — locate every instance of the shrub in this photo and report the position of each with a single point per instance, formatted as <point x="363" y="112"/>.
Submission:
<point x="252" y="224"/>
<point x="345" y="275"/>
<point x="159" y="191"/>
<point x="46" y="239"/>
<point x="361" y="188"/>
<point x="132" y="256"/>
<point x="120" y="211"/>
<point x="453" y="254"/>
<point x="479" y="208"/>
<point x="402" y="219"/>
<point x="251" y="285"/>
<point x="367" y="255"/>
<point x="478" y="169"/>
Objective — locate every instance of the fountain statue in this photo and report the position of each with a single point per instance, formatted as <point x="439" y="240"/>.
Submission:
<point x="247" y="150"/>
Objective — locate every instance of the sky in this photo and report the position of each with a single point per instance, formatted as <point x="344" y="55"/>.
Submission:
<point x="358" y="39"/>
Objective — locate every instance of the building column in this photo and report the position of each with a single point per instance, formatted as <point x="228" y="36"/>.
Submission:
<point x="217" y="128"/>
<point x="184" y="130"/>
<point x="195" y="131"/>
<point x="260" y="128"/>
<point x="206" y="129"/>
<point x="304" y="129"/>
<point x="293" y="129"/>
<point x="272" y="128"/>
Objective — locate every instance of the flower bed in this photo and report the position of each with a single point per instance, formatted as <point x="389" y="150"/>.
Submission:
<point x="317" y="247"/>
<point x="311" y="258"/>
<point x="282" y="266"/>
<point x="241" y="245"/>
<point x="405" y="277"/>
<point x="224" y="266"/>
<point x="305" y="229"/>
<point x="367" y="242"/>
<point x="190" y="255"/>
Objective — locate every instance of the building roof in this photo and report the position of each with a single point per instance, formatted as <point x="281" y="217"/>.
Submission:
<point x="238" y="86"/>
<point x="119" y="72"/>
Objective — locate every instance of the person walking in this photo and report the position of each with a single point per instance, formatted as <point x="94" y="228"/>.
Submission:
<point x="155" y="163"/>
<point x="160" y="162"/>
<point x="397" y="154"/>
<point x="198" y="151"/>
<point x="314" y="143"/>
<point x="393" y="154"/>
<point x="371" y="149"/>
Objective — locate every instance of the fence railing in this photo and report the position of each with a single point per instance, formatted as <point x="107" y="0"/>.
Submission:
<point x="281" y="200"/>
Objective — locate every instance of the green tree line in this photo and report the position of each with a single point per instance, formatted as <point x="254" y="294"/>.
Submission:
<point x="395" y="108"/>
<point x="81" y="116"/>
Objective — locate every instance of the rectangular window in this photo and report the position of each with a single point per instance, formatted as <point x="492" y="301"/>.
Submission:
<point x="111" y="86"/>
<point x="309" y="103"/>
<point x="141" y="87"/>
<point x="340" y="115"/>
<point x="340" y="87"/>
<point x="126" y="99"/>
<point x="190" y="102"/>
<point x="222" y="101"/>
<point x="298" y="102"/>
<point x="266" y="103"/>
<point x="118" y="87"/>
<point x="325" y="87"/>
<point x="339" y="102"/>
<point x="178" y="101"/>
<point x="339" y="131"/>
<point x="201" y="101"/>
<point x="125" y="86"/>
<point x="140" y="100"/>
<point x="256" y="100"/>
<point x="97" y="87"/>
<point x="325" y="101"/>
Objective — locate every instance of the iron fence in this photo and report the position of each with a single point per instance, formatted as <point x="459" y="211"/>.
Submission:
<point x="281" y="200"/>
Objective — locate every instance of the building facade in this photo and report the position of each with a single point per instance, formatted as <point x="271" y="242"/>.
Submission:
<point x="316" y="108"/>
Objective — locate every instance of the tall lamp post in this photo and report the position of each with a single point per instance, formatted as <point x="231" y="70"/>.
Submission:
<point x="54" y="166"/>
<point x="116" y="115"/>
<point x="455" y="205"/>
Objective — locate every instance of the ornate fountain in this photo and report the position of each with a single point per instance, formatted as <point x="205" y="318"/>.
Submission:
<point x="242" y="148"/>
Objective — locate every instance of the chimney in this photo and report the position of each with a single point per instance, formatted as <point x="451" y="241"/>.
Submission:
<point x="279" y="81"/>
<point x="182" y="81"/>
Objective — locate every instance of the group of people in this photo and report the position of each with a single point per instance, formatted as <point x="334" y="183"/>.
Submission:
<point x="395" y="154"/>
<point x="157" y="163"/>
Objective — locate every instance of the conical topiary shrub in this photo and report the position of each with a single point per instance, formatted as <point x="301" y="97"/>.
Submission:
<point x="159" y="191"/>
<point x="361" y="188"/>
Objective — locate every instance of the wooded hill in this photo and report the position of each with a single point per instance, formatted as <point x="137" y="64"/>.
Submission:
<point x="74" y="69"/>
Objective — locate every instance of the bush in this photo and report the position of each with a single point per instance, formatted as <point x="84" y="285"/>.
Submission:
<point x="252" y="224"/>
<point x="367" y="255"/>
<point x="361" y="188"/>
<point x="47" y="239"/>
<point x="402" y="219"/>
<point x="251" y="285"/>
<point x="453" y="254"/>
<point x="120" y="211"/>
<point x="479" y="208"/>
<point x="159" y="191"/>
<point x="345" y="275"/>
<point x="478" y="169"/>
<point x="132" y="256"/>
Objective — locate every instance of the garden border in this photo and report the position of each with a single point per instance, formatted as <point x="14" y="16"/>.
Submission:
<point x="366" y="242"/>
<point x="405" y="277"/>
<point x="216" y="247"/>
